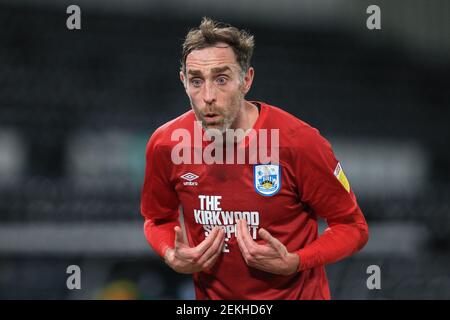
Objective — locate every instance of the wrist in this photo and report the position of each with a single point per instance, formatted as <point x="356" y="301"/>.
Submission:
<point x="294" y="263"/>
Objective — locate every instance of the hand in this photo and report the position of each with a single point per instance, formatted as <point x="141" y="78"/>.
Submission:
<point x="271" y="257"/>
<point x="185" y="259"/>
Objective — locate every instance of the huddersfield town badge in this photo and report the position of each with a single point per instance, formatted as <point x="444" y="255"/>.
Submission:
<point x="267" y="179"/>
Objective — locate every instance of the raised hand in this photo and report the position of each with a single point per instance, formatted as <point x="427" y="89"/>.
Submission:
<point x="185" y="259"/>
<point x="271" y="256"/>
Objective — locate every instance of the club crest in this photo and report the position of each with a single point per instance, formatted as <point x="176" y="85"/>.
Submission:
<point x="267" y="179"/>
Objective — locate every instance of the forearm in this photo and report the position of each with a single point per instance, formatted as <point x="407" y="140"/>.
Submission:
<point x="160" y="234"/>
<point x="344" y="237"/>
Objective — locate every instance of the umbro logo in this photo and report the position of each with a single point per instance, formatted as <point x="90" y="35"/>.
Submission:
<point x="190" y="177"/>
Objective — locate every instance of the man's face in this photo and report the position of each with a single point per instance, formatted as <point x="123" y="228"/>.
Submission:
<point x="215" y="87"/>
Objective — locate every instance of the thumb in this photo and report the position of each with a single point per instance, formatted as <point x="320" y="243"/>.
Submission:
<point x="265" y="235"/>
<point x="273" y="242"/>
<point x="179" y="239"/>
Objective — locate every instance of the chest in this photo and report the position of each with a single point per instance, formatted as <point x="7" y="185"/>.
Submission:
<point x="265" y="189"/>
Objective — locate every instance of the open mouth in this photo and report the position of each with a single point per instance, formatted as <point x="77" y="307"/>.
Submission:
<point x="212" y="117"/>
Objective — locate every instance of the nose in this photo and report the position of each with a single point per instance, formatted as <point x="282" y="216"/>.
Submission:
<point x="209" y="93"/>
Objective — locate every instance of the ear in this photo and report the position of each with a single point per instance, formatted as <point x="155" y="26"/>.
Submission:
<point x="248" y="80"/>
<point x="182" y="78"/>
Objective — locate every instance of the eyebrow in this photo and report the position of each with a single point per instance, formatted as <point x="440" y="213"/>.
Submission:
<point x="213" y="70"/>
<point x="221" y="69"/>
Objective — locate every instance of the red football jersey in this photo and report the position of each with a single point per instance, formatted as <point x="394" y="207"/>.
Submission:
<point x="285" y="198"/>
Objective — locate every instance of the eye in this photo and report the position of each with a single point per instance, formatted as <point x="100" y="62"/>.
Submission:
<point x="222" y="80"/>
<point x="196" y="82"/>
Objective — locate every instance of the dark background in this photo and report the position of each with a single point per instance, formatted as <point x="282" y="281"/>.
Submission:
<point x="77" y="108"/>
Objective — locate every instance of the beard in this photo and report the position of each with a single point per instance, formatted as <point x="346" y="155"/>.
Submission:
<point x="217" y="118"/>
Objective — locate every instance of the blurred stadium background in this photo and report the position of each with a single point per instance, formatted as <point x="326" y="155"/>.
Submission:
<point x="77" y="108"/>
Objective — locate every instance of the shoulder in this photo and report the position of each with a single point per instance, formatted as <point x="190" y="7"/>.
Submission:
<point x="294" y="132"/>
<point x="162" y="136"/>
<point x="302" y="146"/>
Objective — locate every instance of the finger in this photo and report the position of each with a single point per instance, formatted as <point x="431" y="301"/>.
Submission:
<point x="241" y="243"/>
<point x="192" y="254"/>
<point x="208" y="241"/>
<point x="212" y="260"/>
<point x="179" y="239"/>
<point x="272" y="241"/>
<point x="246" y="237"/>
<point x="265" y="235"/>
<point x="213" y="249"/>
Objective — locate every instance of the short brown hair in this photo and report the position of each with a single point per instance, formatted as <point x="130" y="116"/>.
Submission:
<point x="211" y="32"/>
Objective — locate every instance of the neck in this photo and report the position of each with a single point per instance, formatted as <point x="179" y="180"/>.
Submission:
<point x="248" y="114"/>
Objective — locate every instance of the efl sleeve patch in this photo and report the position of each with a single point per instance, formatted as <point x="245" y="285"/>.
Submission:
<point x="340" y="175"/>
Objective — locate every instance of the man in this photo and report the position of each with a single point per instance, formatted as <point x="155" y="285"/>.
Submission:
<point x="251" y="227"/>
